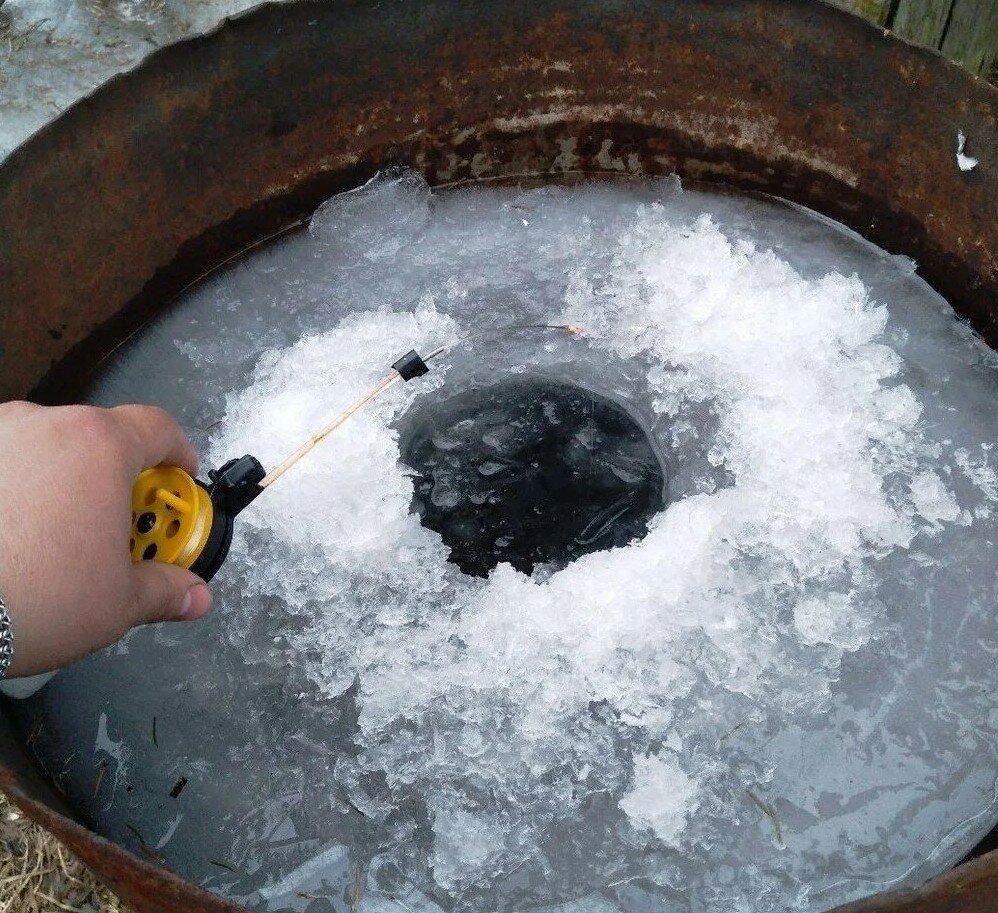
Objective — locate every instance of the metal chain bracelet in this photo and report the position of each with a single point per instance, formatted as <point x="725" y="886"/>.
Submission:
<point x="6" y="640"/>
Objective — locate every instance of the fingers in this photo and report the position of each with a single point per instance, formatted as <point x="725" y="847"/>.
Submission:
<point x="163" y="592"/>
<point x="158" y="438"/>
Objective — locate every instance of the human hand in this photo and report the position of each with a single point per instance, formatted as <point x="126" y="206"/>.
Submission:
<point x="66" y="476"/>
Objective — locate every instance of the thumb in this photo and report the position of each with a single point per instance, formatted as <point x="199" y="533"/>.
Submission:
<point x="164" y="592"/>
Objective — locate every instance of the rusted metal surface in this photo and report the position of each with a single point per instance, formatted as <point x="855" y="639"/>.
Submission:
<point x="213" y="144"/>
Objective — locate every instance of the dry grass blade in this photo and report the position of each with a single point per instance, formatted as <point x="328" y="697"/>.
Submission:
<point x="38" y="875"/>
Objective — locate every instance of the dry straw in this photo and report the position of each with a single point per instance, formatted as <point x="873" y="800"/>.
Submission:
<point x="39" y="875"/>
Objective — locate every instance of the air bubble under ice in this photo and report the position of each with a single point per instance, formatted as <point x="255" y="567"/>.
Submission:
<point x="779" y="698"/>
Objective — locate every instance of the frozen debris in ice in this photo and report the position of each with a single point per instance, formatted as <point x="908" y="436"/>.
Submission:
<point x="769" y="810"/>
<point x="312" y="874"/>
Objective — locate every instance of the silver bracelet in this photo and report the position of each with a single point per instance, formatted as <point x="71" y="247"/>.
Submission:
<point x="6" y="640"/>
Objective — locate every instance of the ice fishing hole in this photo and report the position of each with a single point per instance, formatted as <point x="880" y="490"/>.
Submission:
<point x="531" y="472"/>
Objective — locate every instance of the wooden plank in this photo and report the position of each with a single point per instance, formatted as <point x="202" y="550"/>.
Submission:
<point x="922" y="22"/>
<point x="972" y="36"/>
<point x="876" y="11"/>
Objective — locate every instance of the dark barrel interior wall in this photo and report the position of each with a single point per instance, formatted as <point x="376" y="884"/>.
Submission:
<point x="218" y="142"/>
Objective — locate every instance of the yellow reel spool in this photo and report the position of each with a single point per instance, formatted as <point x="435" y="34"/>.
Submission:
<point x="171" y="517"/>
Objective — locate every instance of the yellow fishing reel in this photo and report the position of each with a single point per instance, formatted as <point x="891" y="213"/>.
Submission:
<point x="180" y="520"/>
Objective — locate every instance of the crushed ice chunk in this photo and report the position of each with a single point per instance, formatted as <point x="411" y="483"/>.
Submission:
<point x="932" y="499"/>
<point x="831" y="619"/>
<point x="376" y="220"/>
<point x="978" y="471"/>
<point x="661" y="797"/>
<point x="964" y="161"/>
<point x="463" y="843"/>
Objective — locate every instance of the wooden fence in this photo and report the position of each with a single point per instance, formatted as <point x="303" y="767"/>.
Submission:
<point x="963" y="30"/>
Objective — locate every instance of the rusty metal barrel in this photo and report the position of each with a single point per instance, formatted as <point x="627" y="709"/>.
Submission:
<point x="217" y="143"/>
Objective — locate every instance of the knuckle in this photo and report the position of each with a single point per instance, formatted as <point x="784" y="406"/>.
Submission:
<point x="142" y="412"/>
<point x="141" y="421"/>
<point x="84" y="418"/>
<point x="16" y="408"/>
<point x="93" y="427"/>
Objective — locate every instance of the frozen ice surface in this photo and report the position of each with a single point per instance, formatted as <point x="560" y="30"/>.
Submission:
<point x="781" y="698"/>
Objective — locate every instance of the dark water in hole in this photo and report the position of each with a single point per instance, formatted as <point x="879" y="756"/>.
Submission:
<point x="531" y="472"/>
